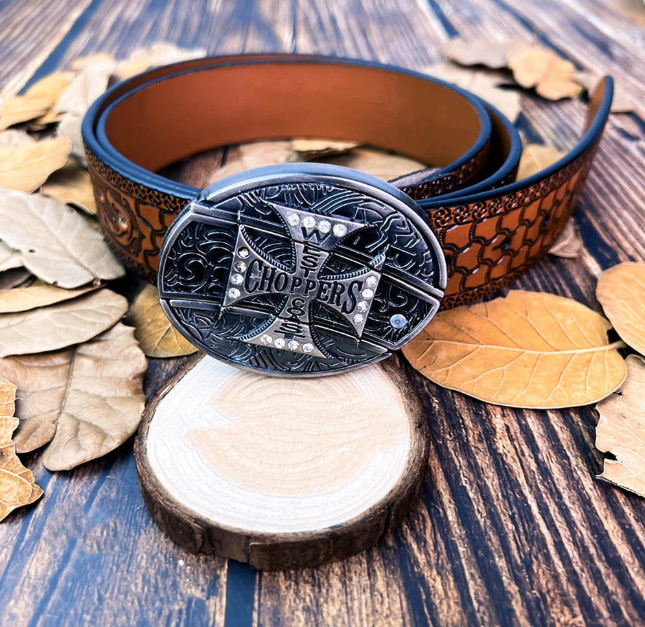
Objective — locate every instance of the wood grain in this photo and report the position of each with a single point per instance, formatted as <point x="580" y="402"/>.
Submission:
<point x="513" y="528"/>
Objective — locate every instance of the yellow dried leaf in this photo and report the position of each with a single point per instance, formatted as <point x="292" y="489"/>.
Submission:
<point x="253" y="155"/>
<point x="569" y="244"/>
<point x="154" y="332"/>
<point x="621" y="430"/>
<point x="17" y="484"/>
<point x="528" y="349"/>
<point x="14" y="137"/>
<point x="52" y="87"/>
<point x="481" y="51"/>
<point x="383" y="165"/>
<point x="308" y="149"/>
<point x="22" y="109"/>
<point x="552" y="77"/>
<point x="27" y="167"/>
<point x="38" y="294"/>
<point x="535" y="158"/>
<point x="71" y="185"/>
<point x="621" y="292"/>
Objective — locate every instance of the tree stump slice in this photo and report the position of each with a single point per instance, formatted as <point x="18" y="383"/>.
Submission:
<point x="281" y="473"/>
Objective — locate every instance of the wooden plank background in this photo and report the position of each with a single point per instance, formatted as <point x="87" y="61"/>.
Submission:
<point x="512" y="528"/>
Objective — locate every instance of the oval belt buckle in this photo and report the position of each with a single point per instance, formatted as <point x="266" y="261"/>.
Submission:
<point x="301" y="269"/>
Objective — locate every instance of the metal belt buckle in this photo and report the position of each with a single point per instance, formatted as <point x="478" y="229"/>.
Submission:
<point x="301" y="269"/>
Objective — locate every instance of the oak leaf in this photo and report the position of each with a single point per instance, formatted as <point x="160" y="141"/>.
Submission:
<point x="55" y="242"/>
<point x="38" y="294"/>
<point x="621" y="292"/>
<point x="51" y="86"/>
<point x="154" y="332"/>
<point x="27" y="167"/>
<point x="528" y="349"/>
<point x="17" y="484"/>
<point x="621" y="430"/>
<point x="15" y="137"/>
<point x="535" y="158"/>
<point x="552" y="76"/>
<point x="60" y="325"/>
<point x="71" y="185"/>
<point x="481" y="51"/>
<point x="569" y="243"/>
<point x="18" y="109"/>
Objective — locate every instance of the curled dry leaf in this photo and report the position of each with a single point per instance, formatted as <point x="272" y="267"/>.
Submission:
<point x="569" y="244"/>
<point x="160" y="53"/>
<point x="621" y="430"/>
<point x="14" y="137"/>
<point x="552" y="77"/>
<point x="528" y="349"/>
<point x="72" y="185"/>
<point x="18" y="109"/>
<point x="481" y="51"/>
<point x="156" y="336"/>
<point x="56" y="243"/>
<point x="383" y="165"/>
<point x="536" y="157"/>
<point x="17" y="484"/>
<point x="27" y="167"/>
<point x="87" y="400"/>
<point x="308" y="149"/>
<point x="37" y="295"/>
<point x="52" y="87"/>
<point x="60" y="325"/>
<point x="621" y="292"/>
<point x="485" y="84"/>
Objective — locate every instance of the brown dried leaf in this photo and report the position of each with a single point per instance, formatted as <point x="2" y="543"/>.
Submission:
<point x="60" y="325"/>
<point x="569" y="244"/>
<point x="310" y="149"/>
<point x="103" y="400"/>
<point x="154" y="332"/>
<point x="17" y="484"/>
<point x="27" y="167"/>
<point x="621" y="292"/>
<point x="52" y="87"/>
<point x="18" y="109"/>
<point x="486" y="85"/>
<point x="71" y="185"/>
<point x="14" y="137"/>
<point x="384" y="165"/>
<point x="56" y="243"/>
<point x="552" y="77"/>
<point x="621" y="103"/>
<point x="536" y="157"/>
<point x="253" y="155"/>
<point x="161" y="53"/>
<point x="37" y="295"/>
<point x="481" y="51"/>
<point x="621" y="430"/>
<point x="528" y="349"/>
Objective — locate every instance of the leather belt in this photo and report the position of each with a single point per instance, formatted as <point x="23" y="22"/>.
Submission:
<point x="490" y="229"/>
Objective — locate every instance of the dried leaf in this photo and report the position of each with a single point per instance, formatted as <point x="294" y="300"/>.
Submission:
<point x="528" y="349"/>
<point x="102" y="399"/>
<point x="253" y="155"/>
<point x="98" y="58"/>
<point x="569" y="244"/>
<point x="37" y="295"/>
<point x="18" y="109"/>
<point x="486" y="85"/>
<point x="536" y="157"/>
<point x="60" y="325"/>
<point x="384" y="165"/>
<point x="552" y="77"/>
<point x="17" y="484"/>
<point x="621" y="430"/>
<point x="56" y="243"/>
<point x="621" y="103"/>
<point x="481" y="51"/>
<point x="156" y="336"/>
<point x="14" y="277"/>
<point x="71" y="185"/>
<point x="311" y="149"/>
<point x="52" y="87"/>
<point x="9" y="258"/>
<point x="621" y="292"/>
<point x="27" y="167"/>
<point x="161" y="53"/>
<point x="14" y="137"/>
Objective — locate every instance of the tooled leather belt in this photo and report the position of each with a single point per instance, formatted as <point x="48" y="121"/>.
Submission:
<point x="312" y="269"/>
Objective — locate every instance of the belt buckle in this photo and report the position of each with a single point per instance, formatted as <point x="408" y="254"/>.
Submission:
<point x="301" y="269"/>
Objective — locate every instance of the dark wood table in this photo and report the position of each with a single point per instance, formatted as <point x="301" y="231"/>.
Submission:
<point x="512" y="527"/>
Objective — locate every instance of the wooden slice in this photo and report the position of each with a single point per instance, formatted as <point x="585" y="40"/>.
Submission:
<point x="281" y="473"/>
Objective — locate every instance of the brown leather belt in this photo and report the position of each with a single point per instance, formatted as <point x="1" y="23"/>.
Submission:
<point x="490" y="228"/>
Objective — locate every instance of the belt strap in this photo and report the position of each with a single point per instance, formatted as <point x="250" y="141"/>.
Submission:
<point x="491" y="228"/>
